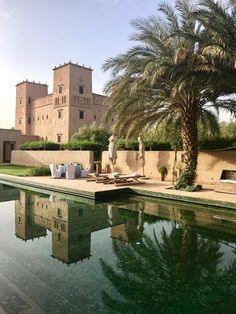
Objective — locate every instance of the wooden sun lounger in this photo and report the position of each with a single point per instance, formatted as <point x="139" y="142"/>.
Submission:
<point x="120" y="180"/>
<point x="102" y="178"/>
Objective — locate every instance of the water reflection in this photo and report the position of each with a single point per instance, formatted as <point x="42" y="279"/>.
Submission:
<point x="157" y="257"/>
<point x="178" y="272"/>
<point x="72" y="223"/>
<point x="8" y="193"/>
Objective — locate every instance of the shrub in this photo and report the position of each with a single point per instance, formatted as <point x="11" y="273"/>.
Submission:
<point x="155" y="145"/>
<point x="37" y="171"/>
<point x="81" y="145"/>
<point x="150" y="144"/>
<point x="190" y="188"/>
<point x="217" y="143"/>
<point x="92" y="133"/>
<point x="40" y="145"/>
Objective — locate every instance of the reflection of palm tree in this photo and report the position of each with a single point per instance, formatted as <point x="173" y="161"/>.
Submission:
<point x="178" y="274"/>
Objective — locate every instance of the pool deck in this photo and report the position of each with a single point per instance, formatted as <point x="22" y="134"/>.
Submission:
<point x="98" y="191"/>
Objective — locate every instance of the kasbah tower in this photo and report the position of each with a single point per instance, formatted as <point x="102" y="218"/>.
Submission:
<point x="57" y="116"/>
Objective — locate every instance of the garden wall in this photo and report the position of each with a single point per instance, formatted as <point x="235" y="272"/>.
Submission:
<point x="210" y="163"/>
<point x="12" y="139"/>
<point x="30" y="157"/>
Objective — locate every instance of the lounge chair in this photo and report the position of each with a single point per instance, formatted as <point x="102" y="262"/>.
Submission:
<point x="128" y="179"/>
<point x="55" y="173"/>
<point x="103" y="177"/>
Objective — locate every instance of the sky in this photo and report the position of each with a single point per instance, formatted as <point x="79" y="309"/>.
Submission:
<point x="37" y="35"/>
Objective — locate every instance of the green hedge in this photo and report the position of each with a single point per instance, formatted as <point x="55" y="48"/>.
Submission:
<point x="81" y="145"/>
<point x="40" y="145"/>
<point x="123" y="144"/>
<point x="217" y="143"/>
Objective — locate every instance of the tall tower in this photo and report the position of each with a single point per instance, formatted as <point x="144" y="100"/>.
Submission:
<point x="72" y="93"/>
<point x="25" y="93"/>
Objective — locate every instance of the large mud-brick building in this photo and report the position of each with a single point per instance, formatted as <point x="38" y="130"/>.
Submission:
<point x="57" y="116"/>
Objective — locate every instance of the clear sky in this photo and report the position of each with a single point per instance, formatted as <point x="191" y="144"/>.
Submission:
<point x="36" y="35"/>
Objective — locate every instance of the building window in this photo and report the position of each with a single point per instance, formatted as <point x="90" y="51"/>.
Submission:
<point x="59" y="114"/>
<point x="47" y="117"/>
<point x="38" y="118"/>
<point x="81" y="89"/>
<point x="29" y="100"/>
<point x="28" y="120"/>
<point x="81" y="115"/>
<point x="59" y="138"/>
<point x="63" y="227"/>
<point x="59" y="213"/>
<point x="20" y="101"/>
<point x="19" y="121"/>
<point x="95" y="117"/>
<point x="59" y="236"/>
<point x="60" y="89"/>
<point x="64" y="97"/>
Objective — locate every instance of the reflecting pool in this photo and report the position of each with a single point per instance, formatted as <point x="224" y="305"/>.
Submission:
<point x="60" y="254"/>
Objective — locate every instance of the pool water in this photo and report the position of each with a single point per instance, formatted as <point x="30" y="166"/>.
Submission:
<point x="133" y="255"/>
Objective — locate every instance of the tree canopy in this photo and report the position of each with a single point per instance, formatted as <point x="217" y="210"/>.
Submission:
<point x="181" y="69"/>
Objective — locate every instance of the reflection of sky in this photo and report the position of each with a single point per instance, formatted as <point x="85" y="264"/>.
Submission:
<point x="229" y="250"/>
<point x="158" y="227"/>
<point x="7" y="218"/>
<point x="8" y="238"/>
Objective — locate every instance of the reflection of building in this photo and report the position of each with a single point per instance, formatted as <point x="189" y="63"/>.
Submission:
<point x="57" y="116"/>
<point x="129" y="231"/>
<point x="210" y="219"/>
<point x="132" y="228"/>
<point x="71" y="223"/>
<point x="24" y="227"/>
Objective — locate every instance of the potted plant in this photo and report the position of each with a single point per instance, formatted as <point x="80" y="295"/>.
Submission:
<point x="163" y="171"/>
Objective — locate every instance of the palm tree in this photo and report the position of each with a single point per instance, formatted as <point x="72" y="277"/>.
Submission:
<point x="178" y="272"/>
<point x="172" y="74"/>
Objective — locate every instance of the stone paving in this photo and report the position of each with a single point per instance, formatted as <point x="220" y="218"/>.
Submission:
<point x="154" y="188"/>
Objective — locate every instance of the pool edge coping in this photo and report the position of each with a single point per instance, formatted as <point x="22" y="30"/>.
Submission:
<point x="100" y="195"/>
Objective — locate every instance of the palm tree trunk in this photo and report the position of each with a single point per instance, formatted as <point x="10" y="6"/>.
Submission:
<point x="189" y="137"/>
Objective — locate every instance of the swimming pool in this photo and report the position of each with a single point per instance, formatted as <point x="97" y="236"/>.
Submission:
<point x="133" y="255"/>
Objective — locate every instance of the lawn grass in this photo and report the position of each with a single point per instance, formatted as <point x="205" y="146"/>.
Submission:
<point x="13" y="170"/>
